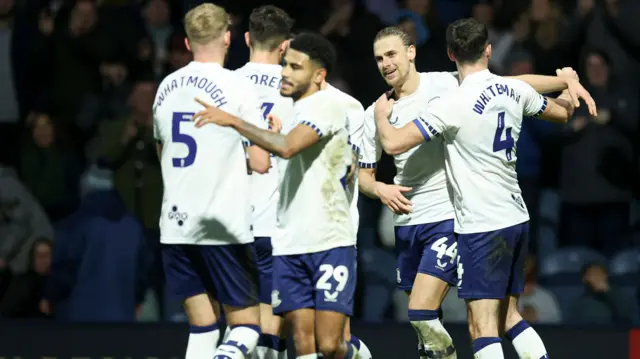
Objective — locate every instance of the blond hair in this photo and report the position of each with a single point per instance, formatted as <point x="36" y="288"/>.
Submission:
<point x="205" y="23"/>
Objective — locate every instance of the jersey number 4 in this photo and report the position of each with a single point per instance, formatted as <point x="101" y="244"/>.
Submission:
<point x="179" y="137"/>
<point x="498" y="143"/>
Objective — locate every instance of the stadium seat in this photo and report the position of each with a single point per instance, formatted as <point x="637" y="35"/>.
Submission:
<point x="549" y="206"/>
<point x="566" y="295"/>
<point x="563" y="266"/>
<point x="547" y="239"/>
<point x="624" y="267"/>
<point x="631" y="292"/>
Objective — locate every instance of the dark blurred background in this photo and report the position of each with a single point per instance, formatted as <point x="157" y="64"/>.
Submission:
<point x="80" y="184"/>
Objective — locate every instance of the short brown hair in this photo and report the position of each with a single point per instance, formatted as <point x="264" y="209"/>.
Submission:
<point x="394" y="31"/>
<point x="206" y="22"/>
<point x="467" y="39"/>
<point x="269" y="26"/>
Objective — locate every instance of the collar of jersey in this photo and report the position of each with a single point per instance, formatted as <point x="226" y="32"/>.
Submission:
<point x="477" y="76"/>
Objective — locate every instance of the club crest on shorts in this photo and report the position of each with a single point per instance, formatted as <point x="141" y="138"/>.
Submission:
<point x="275" y="299"/>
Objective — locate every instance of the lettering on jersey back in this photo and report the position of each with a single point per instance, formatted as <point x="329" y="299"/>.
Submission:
<point x="266" y="80"/>
<point x="494" y="91"/>
<point x="215" y="93"/>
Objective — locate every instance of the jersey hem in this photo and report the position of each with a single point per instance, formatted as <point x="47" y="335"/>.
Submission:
<point x="204" y="242"/>
<point x="423" y="221"/>
<point x="459" y="230"/>
<point x="316" y="249"/>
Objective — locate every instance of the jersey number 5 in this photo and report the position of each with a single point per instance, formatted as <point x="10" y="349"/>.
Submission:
<point x="498" y="143"/>
<point x="179" y="137"/>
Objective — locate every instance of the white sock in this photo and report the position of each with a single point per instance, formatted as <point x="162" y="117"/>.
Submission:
<point x="202" y="341"/>
<point x="487" y="348"/>
<point x="526" y="341"/>
<point x="363" y="350"/>
<point x="308" y="356"/>
<point x="240" y="343"/>
<point x="436" y="341"/>
<point x="271" y="347"/>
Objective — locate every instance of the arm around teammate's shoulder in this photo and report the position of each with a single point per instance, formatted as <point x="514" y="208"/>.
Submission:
<point x="395" y="141"/>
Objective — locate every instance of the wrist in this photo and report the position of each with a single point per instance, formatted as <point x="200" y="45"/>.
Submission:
<point x="376" y="188"/>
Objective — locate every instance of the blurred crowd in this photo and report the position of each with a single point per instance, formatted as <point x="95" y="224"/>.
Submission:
<point x="81" y="188"/>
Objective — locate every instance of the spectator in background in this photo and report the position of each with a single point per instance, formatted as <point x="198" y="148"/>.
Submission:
<point x="81" y="40"/>
<point x="346" y="24"/>
<point x="178" y="56"/>
<point x="128" y="146"/>
<point x="22" y="222"/>
<point x="417" y="18"/>
<point x="23" y="297"/>
<point x="600" y="304"/>
<point x="537" y="304"/>
<point x="597" y="171"/>
<point x="49" y="168"/>
<point x="100" y="263"/>
<point x="157" y="20"/>
<point x="534" y="134"/>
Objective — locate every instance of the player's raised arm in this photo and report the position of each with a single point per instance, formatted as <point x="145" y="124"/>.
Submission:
<point x="549" y="84"/>
<point x="554" y="110"/>
<point x="396" y="140"/>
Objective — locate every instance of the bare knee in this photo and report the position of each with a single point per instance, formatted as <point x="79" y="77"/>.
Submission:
<point x="269" y="323"/>
<point x="200" y="310"/>
<point x="483" y="317"/>
<point x="427" y="292"/>
<point x="303" y="330"/>
<point x="330" y="346"/>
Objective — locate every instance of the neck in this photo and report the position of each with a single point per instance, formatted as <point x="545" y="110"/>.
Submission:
<point x="312" y="89"/>
<point x="214" y="53"/>
<point x="324" y="85"/>
<point x="265" y="57"/>
<point x="410" y="85"/>
<point x="465" y="70"/>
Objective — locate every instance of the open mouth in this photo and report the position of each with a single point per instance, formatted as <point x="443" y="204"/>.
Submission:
<point x="391" y="73"/>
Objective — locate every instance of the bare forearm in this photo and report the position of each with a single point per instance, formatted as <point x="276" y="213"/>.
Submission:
<point x="273" y="142"/>
<point x="544" y="84"/>
<point x="564" y="100"/>
<point x="367" y="183"/>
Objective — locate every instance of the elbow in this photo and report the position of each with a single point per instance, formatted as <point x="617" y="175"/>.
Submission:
<point x="393" y="149"/>
<point x="287" y="153"/>
<point x="262" y="166"/>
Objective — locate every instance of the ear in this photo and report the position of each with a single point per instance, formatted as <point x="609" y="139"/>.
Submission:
<point x="450" y="54"/>
<point x="411" y="53"/>
<point x="487" y="51"/>
<point x="227" y="39"/>
<point x="284" y="46"/>
<point x="247" y="39"/>
<point x="320" y="76"/>
<point x="187" y="44"/>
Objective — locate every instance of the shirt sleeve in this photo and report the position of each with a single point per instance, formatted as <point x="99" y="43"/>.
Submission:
<point x="371" y="150"/>
<point x="157" y="134"/>
<point x="326" y="117"/>
<point x="533" y="104"/>
<point x="355" y="123"/>
<point x="250" y="110"/>
<point x="435" y="121"/>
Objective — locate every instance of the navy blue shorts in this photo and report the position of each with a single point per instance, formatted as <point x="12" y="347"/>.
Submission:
<point x="426" y="248"/>
<point x="323" y="281"/>
<point x="491" y="264"/>
<point x="264" y="259"/>
<point x="228" y="273"/>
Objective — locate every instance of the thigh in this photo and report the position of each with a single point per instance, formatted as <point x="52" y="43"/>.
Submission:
<point x="439" y="251"/>
<point x="408" y="256"/>
<point x="292" y="284"/>
<point x="264" y="260"/>
<point x="335" y="279"/>
<point x="182" y="273"/>
<point x="233" y="273"/>
<point x="486" y="262"/>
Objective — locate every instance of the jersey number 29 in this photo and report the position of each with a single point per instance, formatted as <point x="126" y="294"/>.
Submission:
<point x="179" y="137"/>
<point x="498" y="143"/>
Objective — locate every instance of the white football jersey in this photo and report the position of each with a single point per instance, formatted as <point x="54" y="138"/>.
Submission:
<point x="355" y="129"/>
<point x="264" y="187"/>
<point x="313" y="211"/>
<point x="480" y="122"/>
<point x="204" y="170"/>
<point x="422" y="168"/>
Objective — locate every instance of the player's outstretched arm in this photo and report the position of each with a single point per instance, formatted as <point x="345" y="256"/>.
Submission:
<point x="394" y="140"/>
